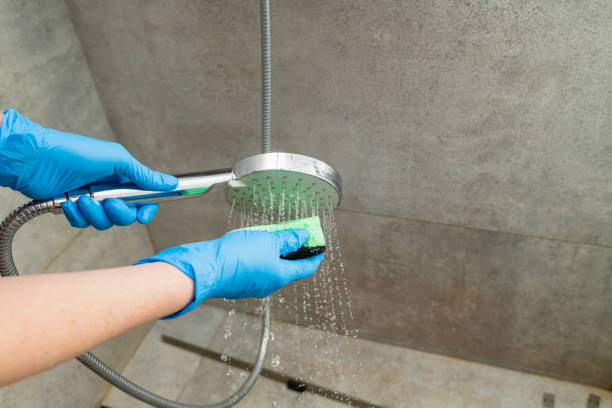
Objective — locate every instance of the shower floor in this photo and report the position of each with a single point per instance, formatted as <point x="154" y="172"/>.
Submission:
<point x="386" y="375"/>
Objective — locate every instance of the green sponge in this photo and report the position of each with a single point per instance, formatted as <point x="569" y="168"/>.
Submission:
<point x="316" y="239"/>
<point x="311" y="224"/>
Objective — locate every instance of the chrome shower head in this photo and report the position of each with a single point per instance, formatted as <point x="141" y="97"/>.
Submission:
<point x="287" y="181"/>
<point x="264" y="182"/>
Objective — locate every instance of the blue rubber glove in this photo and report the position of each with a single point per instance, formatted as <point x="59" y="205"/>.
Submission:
<point x="240" y="264"/>
<point x="43" y="163"/>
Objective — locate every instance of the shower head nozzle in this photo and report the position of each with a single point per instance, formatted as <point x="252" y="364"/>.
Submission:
<point x="284" y="181"/>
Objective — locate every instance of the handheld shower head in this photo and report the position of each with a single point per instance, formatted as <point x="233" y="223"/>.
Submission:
<point x="272" y="181"/>
<point x="266" y="181"/>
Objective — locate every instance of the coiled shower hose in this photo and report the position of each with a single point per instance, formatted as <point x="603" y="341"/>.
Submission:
<point x="17" y="219"/>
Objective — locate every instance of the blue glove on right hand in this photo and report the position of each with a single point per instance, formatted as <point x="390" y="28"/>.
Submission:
<point x="239" y="264"/>
<point x="43" y="163"/>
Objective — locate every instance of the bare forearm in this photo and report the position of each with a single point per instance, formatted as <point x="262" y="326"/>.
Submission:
<point x="51" y="318"/>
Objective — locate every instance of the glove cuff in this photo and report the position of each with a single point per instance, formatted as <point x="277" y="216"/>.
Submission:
<point x="12" y="150"/>
<point x="6" y="124"/>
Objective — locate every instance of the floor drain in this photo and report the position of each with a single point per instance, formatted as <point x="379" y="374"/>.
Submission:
<point x="593" y="401"/>
<point x="548" y="400"/>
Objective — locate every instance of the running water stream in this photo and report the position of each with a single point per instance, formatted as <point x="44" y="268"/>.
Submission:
<point x="321" y="303"/>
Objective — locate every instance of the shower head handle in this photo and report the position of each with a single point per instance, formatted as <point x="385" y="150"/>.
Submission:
<point x="190" y="185"/>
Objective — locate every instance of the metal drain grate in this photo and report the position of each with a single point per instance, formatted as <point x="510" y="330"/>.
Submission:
<point x="548" y="400"/>
<point x="593" y="401"/>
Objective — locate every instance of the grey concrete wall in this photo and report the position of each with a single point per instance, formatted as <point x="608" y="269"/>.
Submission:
<point x="473" y="138"/>
<point x="44" y="75"/>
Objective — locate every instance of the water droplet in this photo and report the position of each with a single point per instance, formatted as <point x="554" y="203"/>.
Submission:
<point x="275" y="360"/>
<point x="224" y="357"/>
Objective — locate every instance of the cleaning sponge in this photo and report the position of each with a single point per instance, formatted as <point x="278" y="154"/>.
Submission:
<point x="316" y="239"/>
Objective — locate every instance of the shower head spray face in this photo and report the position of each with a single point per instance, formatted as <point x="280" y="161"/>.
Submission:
<point x="291" y="183"/>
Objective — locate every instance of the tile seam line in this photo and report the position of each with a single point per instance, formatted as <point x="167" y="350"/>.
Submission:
<point x="468" y="228"/>
<point x="62" y="251"/>
<point x="124" y="365"/>
<point x="208" y="345"/>
<point x="151" y="241"/>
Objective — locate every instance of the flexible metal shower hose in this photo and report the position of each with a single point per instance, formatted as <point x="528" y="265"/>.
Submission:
<point x="17" y="219"/>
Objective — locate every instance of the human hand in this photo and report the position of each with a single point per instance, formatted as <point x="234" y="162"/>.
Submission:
<point x="240" y="264"/>
<point x="43" y="163"/>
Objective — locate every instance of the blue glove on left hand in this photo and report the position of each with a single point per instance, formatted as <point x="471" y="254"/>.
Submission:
<point x="43" y="163"/>
<point x="240" y="264"/>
